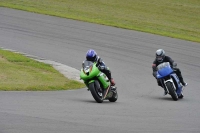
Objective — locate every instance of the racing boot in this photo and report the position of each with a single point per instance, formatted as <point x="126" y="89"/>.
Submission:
<point x="182" y="82"/>
<point x="165" y="93"/>
<point x="113" y="88"/>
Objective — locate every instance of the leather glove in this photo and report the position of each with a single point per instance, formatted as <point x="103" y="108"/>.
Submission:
<point x="101" y="67"/>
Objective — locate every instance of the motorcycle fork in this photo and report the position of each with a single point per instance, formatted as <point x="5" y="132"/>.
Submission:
<point x="169" y="80"/>
<point x="163" y="85"/>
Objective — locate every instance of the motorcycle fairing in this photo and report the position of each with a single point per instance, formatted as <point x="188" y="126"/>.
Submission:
<point x="164" y="69"/>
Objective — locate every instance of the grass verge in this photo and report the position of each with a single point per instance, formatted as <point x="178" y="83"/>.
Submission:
<point x="172" y="18"/>
<point x="20" y="73"/>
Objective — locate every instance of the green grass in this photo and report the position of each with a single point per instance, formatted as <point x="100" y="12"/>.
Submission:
<point x="172" y="18"/>
<point x="18" y="72"/>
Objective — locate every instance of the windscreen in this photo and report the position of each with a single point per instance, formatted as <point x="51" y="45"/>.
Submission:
<point x="163" y="65"/>
<point x="87" y="64"/>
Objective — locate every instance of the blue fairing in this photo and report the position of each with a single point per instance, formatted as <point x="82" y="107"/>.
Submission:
<point x="179" y="89"/>
<point x="165" y="71"/>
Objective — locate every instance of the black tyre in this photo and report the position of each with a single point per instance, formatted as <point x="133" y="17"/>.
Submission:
<point x="114" y="97"/>
<point x="97" y="95"/>
<point x="172" y="91"/>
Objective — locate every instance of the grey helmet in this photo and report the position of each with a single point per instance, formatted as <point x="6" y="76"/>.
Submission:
<point x="160" y="55"/>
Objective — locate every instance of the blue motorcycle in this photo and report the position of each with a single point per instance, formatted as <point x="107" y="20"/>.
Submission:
<point x="169" y="80"/>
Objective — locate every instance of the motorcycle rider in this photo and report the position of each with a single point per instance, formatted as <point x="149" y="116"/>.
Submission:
<point x="160" y="58"/>
<point x="91" y="55"/>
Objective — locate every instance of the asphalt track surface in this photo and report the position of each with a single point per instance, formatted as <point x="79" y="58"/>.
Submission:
<point x="141" y="108"/>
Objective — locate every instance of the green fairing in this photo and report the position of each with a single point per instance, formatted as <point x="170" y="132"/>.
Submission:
<point x="95" y="73"/>
<point x="104" y="80"/>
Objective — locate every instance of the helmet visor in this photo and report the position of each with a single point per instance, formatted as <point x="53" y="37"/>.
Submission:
<point x="159" y="58"/>
<point x="90" y="58"/>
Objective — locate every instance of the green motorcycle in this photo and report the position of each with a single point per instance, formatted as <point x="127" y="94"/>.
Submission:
<point x="97" y="83"/>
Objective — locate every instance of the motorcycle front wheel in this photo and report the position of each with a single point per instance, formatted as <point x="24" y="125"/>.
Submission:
<point x="172" y="91"/>
<point x="97" y="95"/>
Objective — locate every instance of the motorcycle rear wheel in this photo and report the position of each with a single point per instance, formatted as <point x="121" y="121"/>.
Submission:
<point x="114" y="97"/>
